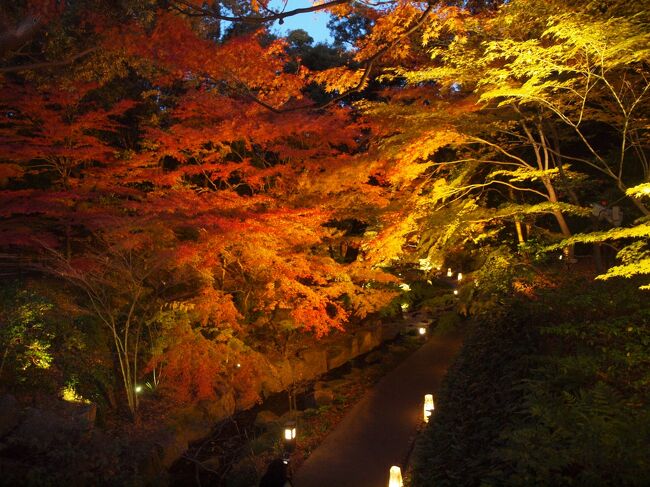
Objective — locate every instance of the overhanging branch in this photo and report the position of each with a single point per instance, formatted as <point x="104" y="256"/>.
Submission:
<point x="190" y="9"/>
<point x="369" y="63"/>
<point x="47" y="64"/>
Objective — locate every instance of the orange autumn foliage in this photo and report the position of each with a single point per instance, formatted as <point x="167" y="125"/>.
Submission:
<point x="173" y="160"/>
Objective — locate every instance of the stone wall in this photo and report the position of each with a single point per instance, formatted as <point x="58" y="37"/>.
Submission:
<point x="194" y="423"/>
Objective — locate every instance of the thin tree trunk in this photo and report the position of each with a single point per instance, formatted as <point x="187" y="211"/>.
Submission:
<point x="559" y="216"/>
<point x="518" y="227"/>
<point x="598" y="257"/>
<point x="543" y="165"/>
<point x="644" y="209"/>
<point x="557" y="159"/>
<point x="520" y="232"/>
<point x="543" y="161"/>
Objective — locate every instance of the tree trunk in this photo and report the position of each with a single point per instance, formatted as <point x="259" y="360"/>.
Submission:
<point x="598" y="258"/>
<point x="557" y="159"/>
<point x="542" y="155"/>
<point x="518" y="227"/>
<point x="520" y="232"/>
<point x="643" y="208"/>
<point x="569" y="252"/>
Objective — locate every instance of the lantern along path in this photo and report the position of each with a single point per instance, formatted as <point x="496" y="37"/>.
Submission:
<point x="378" y="431"/>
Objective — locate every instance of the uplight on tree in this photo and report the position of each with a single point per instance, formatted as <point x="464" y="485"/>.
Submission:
<point x="425" y="264"/>
<point x="69" y="394"/>
<point x="395" y="479"/>
<point x="428" y="407"/>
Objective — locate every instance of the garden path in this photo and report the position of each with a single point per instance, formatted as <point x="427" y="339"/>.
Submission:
<point x="379" y="430"/>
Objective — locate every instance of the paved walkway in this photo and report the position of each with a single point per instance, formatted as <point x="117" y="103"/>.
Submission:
<point x="378" y="430"/>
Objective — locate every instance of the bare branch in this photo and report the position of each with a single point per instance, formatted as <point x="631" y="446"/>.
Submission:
<point x="195" y="11"/>
<point x="48" y="64"/>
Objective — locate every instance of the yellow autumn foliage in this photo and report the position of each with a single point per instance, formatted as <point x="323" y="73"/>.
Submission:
<point x="339" y="79"/>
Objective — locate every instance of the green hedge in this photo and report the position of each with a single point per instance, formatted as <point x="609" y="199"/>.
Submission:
<point x="548" y="392"/>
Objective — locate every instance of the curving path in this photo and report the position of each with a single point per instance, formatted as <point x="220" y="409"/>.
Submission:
<point x="379" y="429"/>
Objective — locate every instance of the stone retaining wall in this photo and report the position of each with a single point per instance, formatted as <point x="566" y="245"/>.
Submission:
<point x="195" y="422"/>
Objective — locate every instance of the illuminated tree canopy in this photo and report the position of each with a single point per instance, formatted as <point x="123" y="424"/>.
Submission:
<point x="192" y="187"/>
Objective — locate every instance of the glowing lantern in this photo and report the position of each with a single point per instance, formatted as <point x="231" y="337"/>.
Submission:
<point x="395" y="479"/>
<point x="428" y="407"/>
<point x="405" y="306"/>
<point x="422" y="330"/>
<point x="460" y="276"/>
<point x="290" y="431"/>
<point x="138" y="389"/>
<point x="238" y="366"/>
<point x="455" y="292"/>
<point x="290" y="435"/>
<point x="449" y="273"/>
